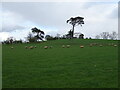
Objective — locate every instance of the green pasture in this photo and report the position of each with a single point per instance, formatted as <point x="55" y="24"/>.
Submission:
<point x="57" y="67"/>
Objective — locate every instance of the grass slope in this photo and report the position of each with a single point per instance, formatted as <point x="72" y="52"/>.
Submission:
<point x="74" y="67"/>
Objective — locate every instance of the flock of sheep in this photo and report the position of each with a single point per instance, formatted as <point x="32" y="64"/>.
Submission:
<point x="67" y="46"/>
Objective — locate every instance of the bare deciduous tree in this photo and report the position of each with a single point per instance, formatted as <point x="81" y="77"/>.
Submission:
<point x="113" y="35"/>
<point x="97" y="37"/>
<point x="104" y="35"/>
<point x="31" y="38"/>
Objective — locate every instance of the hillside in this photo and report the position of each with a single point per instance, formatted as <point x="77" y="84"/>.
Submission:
<point x="57" y="67"/>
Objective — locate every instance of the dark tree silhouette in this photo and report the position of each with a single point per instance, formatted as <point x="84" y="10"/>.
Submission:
<point x="70" y="33"/>
<point x="48" y="37"/>
<point x="40" y="33"/>
<point x="10" y="40"/>
<point x="74" y="22"/>
<point x="81" y="36"/>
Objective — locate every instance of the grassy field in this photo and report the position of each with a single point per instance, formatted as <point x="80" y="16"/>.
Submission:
<point x="0" y="66"/>
<point x="74" y="67"/>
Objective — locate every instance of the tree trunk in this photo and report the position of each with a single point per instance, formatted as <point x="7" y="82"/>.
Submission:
<point x="40" y="37"/>
<point x="73" y="31"/>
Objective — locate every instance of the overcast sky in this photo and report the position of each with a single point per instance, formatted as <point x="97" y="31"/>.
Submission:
<point x="19" y="17"/>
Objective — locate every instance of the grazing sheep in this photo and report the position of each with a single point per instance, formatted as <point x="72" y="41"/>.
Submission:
<point x="63" y="46"/>
<point x="111" y="44"/>
<point x="12" y="47"/>
<point x="81" y="46"/>
<point x="45" y="47"/>
<point x="68" y="46"/>
<point x="31" y="47"/>
<point x="101" y="45"/>
<point x="115" y="45"/>
<point x="35" y="46"/>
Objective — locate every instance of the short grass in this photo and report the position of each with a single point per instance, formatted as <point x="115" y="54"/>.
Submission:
<point x="74" y="67"/>
<point x="0" y="66"/>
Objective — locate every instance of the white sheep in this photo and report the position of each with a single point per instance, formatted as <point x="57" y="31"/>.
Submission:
<point x="12" y="47"/>
<point x="81" y="46"/>
<point x="68" y="46"/>
<point x="31" y="47"/>
<point x="115" y="45"/>
<point x="45" y="47"/>
<point x="100" y="45"/>
<point x="63" y="46"/>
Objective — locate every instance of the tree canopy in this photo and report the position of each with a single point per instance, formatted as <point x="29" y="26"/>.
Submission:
<point x="40" y="33"/>
<point x="74" y="22"/>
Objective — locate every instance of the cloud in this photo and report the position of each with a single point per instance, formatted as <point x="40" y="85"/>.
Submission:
<point x="0" y="16"/>
<point x="10" y="28"/>
<point x="12" y="21"/>
<point x="114" y="13"/>
<point x="3" y="36"/>
<point x="60" y="0"/>
<point x="51" y="17"/>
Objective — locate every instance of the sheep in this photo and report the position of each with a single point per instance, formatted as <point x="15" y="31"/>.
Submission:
<point x="68" y="46"/>
<point x="111" y="44"/>
<point x="115" y="45"/>
<point x="45" y="47"/>
<point x="12" y="47"/>
<point x="100" y="45"/>
<point x="31" y="47"/>
<point x="81" y="46"/>
<point x="63" y="46"/>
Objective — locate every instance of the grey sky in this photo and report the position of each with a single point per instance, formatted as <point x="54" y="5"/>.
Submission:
<point x="19" y="18"/>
